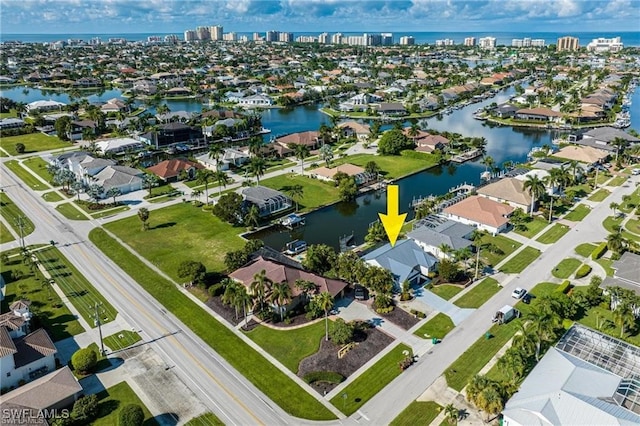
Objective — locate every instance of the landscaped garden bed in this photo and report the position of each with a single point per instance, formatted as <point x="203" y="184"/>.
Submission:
<point x="401" y="318"/>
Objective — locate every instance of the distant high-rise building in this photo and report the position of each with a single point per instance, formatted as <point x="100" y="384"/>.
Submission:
<point x="386" y="39"/>
<point x="190" y="35"/>
<point x="154" y="39"/>
<point x="272" y="36"/>
<point x="516" y="42"/>
<point x="256" y="37"/>
<point x="470" y="41"/>
<point x="216" y="32"/>
<point x="407" y="41"/>
<point x="605" y="45"/>
<point x="324" y="38"/>
<point x="538" y="42"/>
<point x="487" y="42"/>
<point x="95" y="41"/>
<point x="567" y="43"/>
<point x="285" y="37"/>
<point x="202" y="33"/>
<point x="232" y="36"/>
<point x="171" y="38"/>
<point x="336" y="38"/>
<point x="445" y="42"/>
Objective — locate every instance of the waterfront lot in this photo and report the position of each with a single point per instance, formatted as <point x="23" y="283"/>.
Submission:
<point x="266" y="377"/>
<point x="178" y="233"/>
<point x="316" y="194"/>
<point x="393" y="166"/>
<point x="33" y="142"/>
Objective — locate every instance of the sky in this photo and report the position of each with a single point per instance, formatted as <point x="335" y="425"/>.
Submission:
<point x="175" y="16"/>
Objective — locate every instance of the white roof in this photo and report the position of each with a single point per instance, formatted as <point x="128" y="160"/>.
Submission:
<point x="539" y="173"/>
<point x="110" y="144"/>
<point x="44" y="104"/>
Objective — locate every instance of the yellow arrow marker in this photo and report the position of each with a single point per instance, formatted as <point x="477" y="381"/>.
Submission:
<point x="392" y="221"/>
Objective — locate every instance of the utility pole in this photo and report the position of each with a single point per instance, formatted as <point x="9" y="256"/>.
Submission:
<point x="96" y="321"/>
<point x="20" y="223"/>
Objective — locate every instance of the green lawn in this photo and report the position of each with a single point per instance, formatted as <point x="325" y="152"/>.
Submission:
<point x="121" y="340"/>
<point x="500" y="248"/>
<point x="566" y="267"/>
<point x="113" y="399"/>
<point x="533" y="227"/>
<point x="110" y="212"/>
<point x="11" y="213"/>
<point x="585" y="249"/>
<point x="611" y="222"/>
<point x="26" y="176"/>
<point x="553" y="234"/>
<point x="473" y="359"/>
<point x="289" y="346"/>
<point x="391" y="166"/>
<point x="581" y="190"/>
<point x="480" y="293"/>
<point x="275" y="384"/>
<point x="578" y="213"/>
<point x="603" y="177"/>
<point x="39" y="167"/>
<point x="606" y="265"/>
<point x="52" y="196"/>
<point x="418" y="413"/>
<point x="33" y="142"/>
<point x="445" y="291"/>
<point x="438" y="326"/>
<point x="600" y="195"/>
<point x="633" y="226"/>
<point x="71" y="211"/>
<point x="79" y="291"/>
<point x="617" y="181"/>
<point x="520" y="261"/>
<point x="178" y="233"/>
<point x="371" y="381"/>
<point x="316" y="194"/>
<point x="5" y="235"/>
<point x="205" y="419"/>
<point x="633" y="202"/>
<point x="158" y="191"/>
<point x="54" y="316"/>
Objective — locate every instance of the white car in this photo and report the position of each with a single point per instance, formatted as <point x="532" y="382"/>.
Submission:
<point x="635" y="172"/>
<point x="518" y="293"/>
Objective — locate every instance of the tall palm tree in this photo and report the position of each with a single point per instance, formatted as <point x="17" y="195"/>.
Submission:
<point x="149" y="181"/>
<point x="445" y="249"/>
<point x="619" y="143"/>
<point x="536" y="188"/>
<point x="615" y="242"/>
<point x="306" y="287"/>
<point x="258" y="166"/>
<point x="541" y="327"/>
<point x="255" y="144"/>
<point x="614" y="206"/>
<point x="243" y="300"/>
<point x="113" y="192"/>
<point x="477" y="237"/>
<point x="623" y="317"/>
<point x="260" y="287"/>
<point x="204" y="177"/>
<point x="143" y="215"/>
<point x="295" y="192"/>
<point x="301" y="152"/>
<point x="230" y="294"/>
<point x="252" y="218"/>
<point x="215" y="152"/>
<point x="489" y="163"/>
<point x="280" y="296"/>
<point x="413" y="132"/>
<point x="575" y="167"/>
<point x="325" y="302"/>
<point x="222" y="179"/>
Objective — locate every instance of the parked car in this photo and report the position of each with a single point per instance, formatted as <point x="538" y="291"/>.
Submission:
<point x="527" y="298"/>
<point x="635" y="172"/>
<point x="360" y="292"/>
<point x="518" y="293"/>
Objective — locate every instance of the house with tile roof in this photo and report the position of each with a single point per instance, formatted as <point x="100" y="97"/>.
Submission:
<point x="360" y="174"/>
<point x="482" y="212"/>
<point x="583" y="154"/>
<point x="25" y="358"/>
<point x="269" y="201"/>
<point x="126" y="179"/>
<point x="508" y="190"/>
<point x="171" y="170"/>
<point x="451" y="233"/>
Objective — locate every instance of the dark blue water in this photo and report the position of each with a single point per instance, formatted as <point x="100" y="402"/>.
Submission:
<point x="502" y="38"/>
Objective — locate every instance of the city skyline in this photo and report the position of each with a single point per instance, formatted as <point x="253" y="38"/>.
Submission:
<point x="163" y="16"/>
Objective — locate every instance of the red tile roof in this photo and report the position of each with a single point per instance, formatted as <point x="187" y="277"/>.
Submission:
<point x="172" y="168"/>
<point x="482" y="210"/>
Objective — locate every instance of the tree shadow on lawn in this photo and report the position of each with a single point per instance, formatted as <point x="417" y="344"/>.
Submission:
<point x="164" y="225"/>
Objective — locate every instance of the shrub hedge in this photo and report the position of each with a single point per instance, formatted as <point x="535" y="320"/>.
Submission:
<point x="564" y="287"/>
<point x="599" y="251"/>
<point x="583" y="271"/>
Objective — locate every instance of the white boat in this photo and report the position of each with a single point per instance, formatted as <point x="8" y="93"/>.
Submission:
<point x="292" y="220"/>
<point x="295" y="247"/>
<point x="264" y="131"/>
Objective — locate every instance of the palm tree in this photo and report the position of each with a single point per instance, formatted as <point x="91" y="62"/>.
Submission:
<point x="143" y="214"/>
<point x="489" y="163"/>
<point x="514" y="363"/>
<point x="149" y="180"/>
<point x="295" y="192"/>
<point x="615" y="242"/>
<point x="230" y="295"/>
<point x="204" y="177"/>
<point x="478" y="384"/>
<point x="77" y="186"/>
<point x="242" y="299"/>
<point x="280" y="296"/>
<point x="618" y="143"/>
<point x="541" y="328"/>
<point x="413" y="132"/>
<point x="306" y="287"/>
<point x="215" y="152"/>
<point x="325" y="302"/>
<point x="260" y="287"/>
<point x="477" y="236"/>
<point x="326" y="153"/>
<point x="196" y="193"/>
<point x="255" y="144"/>
<point x="445" y="249"/>
<point x="258" y="166"/>
<point x="252" y="218"/>
<point x="451" y="414"/>
<point x="623" y="317"/>
<point x="222" y="179"/>
<point x="113" y="192"/>
<point x="301" y="152"/>
<point x="536" y="188"/>
<point x="490" y="400"/>
<point x="575" y="167"/>
<point x="614" y="206"/>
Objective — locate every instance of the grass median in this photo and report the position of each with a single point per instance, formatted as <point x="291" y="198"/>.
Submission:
<point x="30" y="180"/>
<point x="566" y="267"/>
<point x="480" y="293"/>
<point x="365" y="386"/>
<point x="13" y="215"/>
<point x="71" y="211"/>
<point x="265" y="376"/>
<point x="600" y="195"/>
<point x="5" y="235"/>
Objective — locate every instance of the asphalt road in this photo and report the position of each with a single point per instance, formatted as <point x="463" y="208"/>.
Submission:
<point x="218" y="385"/>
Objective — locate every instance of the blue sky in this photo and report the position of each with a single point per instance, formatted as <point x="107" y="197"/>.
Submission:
<point x="166" y="16"/>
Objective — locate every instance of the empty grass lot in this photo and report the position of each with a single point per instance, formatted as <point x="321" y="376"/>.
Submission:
<point x="480" y="293"/>
<point x="585" y="249"/>
<point x="52" y="197"/>
<point x="473" y="359"/>
<point x="11" y="213"/>
<point x="122" y="339"/>
<point x="520" y="261"/>
<point x="445" y="291"/>
<point x="30" y="180"/>
<point x="566" y="267"/>
<point x="617" y="181"/>
<point x="553" y="234"/>
<point x="371" y="381"/>
<point x="438" y="326"/>
<point x="418" y="413"/>
<point x="577" y="214"/>
<point x="52" y="313"/>
<point x="266" y="377"/>
<point x="70" y="211"/>
<point x="75" y="286"/>
<point x="533" y="227"/>
<point x="316" y="193"/>
<point x="33" y="142"/>
<point x="392" y="166"/>
<point x="178" y="233"/>
<point x="505" y="247"/>
<point x="289" y="346"/>
<point x="111" y="401"/>
<point x="600" y="195"/>
<point x="39" y="167"/>
<point x="5" y="235"/>
<point x="205" y="419"/>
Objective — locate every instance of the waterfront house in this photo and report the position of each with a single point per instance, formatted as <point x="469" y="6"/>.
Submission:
<point x="406" y="261"/>
<point x="118" y="145"/>
<point x="505" y="111"/>
<point x="278" y="272"/>
<point x="172" y="170"/>
<point x="114" y="105"/>
<point x="482" y="212"/>
<point x="602" y="137"/>
<point x="126" y="179"/>
<point x="426" y="142"/>
<point x="538" y="114"/>
<point x="360" y="175"/>
<point x="310" y="138"/>
<point x="354" y="129"/>
<point x="269" y="201"/>
<point x="390" y="109"/>
<point x="171" y="134"/>
<point x="508" y="190"/>
<point x="78" y="128"/>
<point x="44" y="106"/>
<point x="583" y="154"/>
<point x="453" y="234"/>
<point x="259" y="100"/>
<point x="231" y="157"/>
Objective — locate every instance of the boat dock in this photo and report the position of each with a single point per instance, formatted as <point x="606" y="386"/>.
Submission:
<point x="467" y="155"/>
